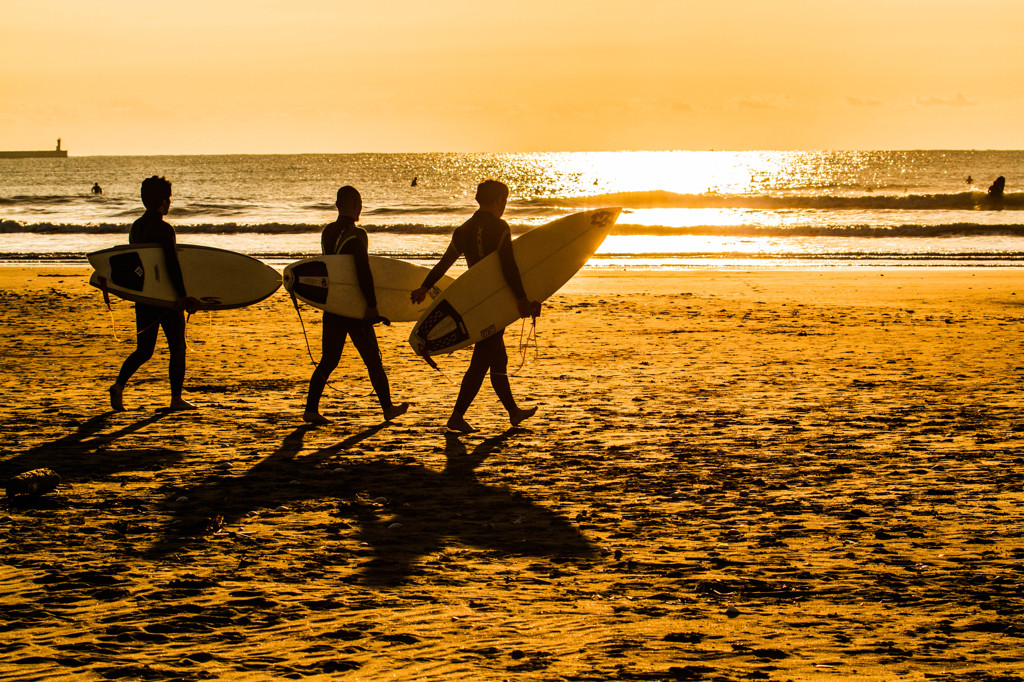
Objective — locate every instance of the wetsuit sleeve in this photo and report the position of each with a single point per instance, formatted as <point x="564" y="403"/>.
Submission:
<point x="168" y="244"/>
<point x="329" y="239"/>
<point x="450" y="256"/>
<point x="508" y="265"/>
<point x="363" y="273"/>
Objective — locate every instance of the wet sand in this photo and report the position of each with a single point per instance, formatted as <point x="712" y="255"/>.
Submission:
<point x="731" y="476"/>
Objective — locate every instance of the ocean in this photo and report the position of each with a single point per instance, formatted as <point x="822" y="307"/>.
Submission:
<point x="682" y="209"/>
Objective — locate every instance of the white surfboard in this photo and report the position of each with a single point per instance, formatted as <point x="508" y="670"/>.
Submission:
<point x="330" y="283"/>
<point x="219" y="279"/>
<point x="479" y="303"/>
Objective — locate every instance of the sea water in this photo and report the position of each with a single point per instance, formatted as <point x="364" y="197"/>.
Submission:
<point x="681" y="209"/>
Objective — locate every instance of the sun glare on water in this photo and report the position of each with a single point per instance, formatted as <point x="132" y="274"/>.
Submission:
<point x="679" y="172"/>
<point x="649" y="176"/>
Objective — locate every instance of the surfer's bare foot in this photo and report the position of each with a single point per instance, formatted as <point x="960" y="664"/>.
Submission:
<point x="180" y="403"/>
<point x="395" y="411"/>
<point x="116" y="401"/>
<point x="315" y="418"/>
<point x="519" y="416"/>
<point x="460" y="425"/>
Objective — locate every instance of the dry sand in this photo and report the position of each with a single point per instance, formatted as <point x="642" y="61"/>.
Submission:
<point x="732" y="475"/>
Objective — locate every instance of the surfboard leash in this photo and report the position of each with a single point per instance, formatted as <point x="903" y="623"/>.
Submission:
<point x="524" y="347"/>
<point x="113" y="322"/>
<point x="309" y="351"/>
<point x="188" y="322"/>
<point x="433" y="364"/>
<point x="110" y="309"/>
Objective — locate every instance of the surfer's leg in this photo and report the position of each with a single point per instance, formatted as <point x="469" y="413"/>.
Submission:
<point x="173" y="324"/>
<point x="147" y="320"/>
<point x="365" y="340"/>
<point x="332" y="344"/>
<point x="483" y="351"/>
<point x="500" y="383"/>
<point x="116" y="398"/>
<point x="499" y="373"/>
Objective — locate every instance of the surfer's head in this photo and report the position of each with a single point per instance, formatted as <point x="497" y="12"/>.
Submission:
<point x="349" y="202"/>
<point x="155" y="191"/>
<point x="492" y="196"/>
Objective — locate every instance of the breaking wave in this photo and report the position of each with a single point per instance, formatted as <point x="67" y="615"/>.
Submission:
<point x="910" y="230"/>
<point x="906" y="202"/>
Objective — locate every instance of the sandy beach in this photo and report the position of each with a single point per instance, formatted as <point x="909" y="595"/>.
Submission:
<point x="776" y="475"/>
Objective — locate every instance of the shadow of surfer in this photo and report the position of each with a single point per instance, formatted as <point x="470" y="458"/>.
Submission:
<point x="429" y="507"/>
<point x="223" y="500"/>
<point x="83" y="454"/>
<point x="417" y="511"/>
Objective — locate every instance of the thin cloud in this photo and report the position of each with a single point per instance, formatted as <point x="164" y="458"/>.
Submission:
<point x="957" y="100"/>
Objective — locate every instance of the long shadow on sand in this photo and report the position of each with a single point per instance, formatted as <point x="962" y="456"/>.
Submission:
<point x="403" y="511"/>
<point x="423" y="509"/>
<point x="83" y="453"/>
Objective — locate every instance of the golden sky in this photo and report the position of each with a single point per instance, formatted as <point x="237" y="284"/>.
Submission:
<point x="220" y="76"/>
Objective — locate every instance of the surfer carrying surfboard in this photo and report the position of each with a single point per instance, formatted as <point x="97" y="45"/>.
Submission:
<point x="484" y="233"/>
<point x="151" y="228"/>
<point x="342" y="236"/>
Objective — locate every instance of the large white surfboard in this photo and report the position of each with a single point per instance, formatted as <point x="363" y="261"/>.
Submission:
<point x="330" y="283"/>
<point x="479" y="303"/>
<point x="219" y="279"/>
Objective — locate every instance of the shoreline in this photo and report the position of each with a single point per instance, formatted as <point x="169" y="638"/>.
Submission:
<point x="640" y="266"/>
<point x="756" y="474"/>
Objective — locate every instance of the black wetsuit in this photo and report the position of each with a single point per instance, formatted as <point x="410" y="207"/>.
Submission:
<point x="481" y="235"/>
<point x="336" y="328"/>
<point x="152" y="229"/>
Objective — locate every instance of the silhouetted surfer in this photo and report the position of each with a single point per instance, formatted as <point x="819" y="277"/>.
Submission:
<point x="995" y="191"/>
<point x="152" y="229"/>
<point x="96" y="189"/>
<point x="479" y="236"/>
<point x="342" y="236"/>
<point x="414" y="180"/>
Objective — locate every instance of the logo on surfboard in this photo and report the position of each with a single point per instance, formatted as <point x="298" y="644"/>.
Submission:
<point x="601" y="218"/>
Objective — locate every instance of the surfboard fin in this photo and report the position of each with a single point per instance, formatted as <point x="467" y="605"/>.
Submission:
<point x="430" y="361"/>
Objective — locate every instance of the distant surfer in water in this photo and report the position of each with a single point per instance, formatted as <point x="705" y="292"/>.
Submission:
<point x="995" y="190"/>
<point x="342" y="236"/>
<point x="96" y="189"/>
<point x="484" y="233"/>
<point x="152" y="229"/>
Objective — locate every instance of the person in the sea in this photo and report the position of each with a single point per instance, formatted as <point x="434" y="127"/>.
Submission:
<point x="151" y="228"/>
<point x="484" y="233"/>
<point x="96" y="189"/>
<point x="342" y="236"/>
<point x="995" y="190"/>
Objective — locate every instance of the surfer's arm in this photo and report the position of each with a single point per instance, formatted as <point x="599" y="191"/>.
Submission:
<point x="364" y="275"/>
<point x="447" y="260"/>
<point x="184" y="302"/>
<point x="169" y="246"/>
<point x="510" y="270"/>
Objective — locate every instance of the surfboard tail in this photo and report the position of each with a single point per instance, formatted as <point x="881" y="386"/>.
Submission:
<point x="443" y="316"/>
